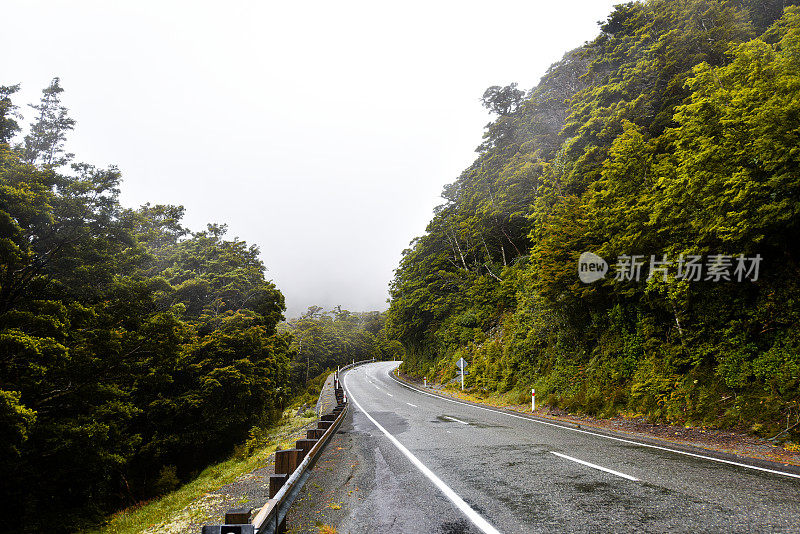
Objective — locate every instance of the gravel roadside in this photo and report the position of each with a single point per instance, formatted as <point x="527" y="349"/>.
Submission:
<point x="339" y="481"/>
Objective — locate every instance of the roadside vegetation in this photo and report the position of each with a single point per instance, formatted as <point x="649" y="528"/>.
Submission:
<point x="133" y="351"/>
<point x="173" y="508"/>
<point x="672" y="134"/>
<point x="325" y="339"/>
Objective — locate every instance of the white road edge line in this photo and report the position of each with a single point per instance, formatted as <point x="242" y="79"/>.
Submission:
<point x="466" y="509"/>
<point x="454" y="419"/>
<point x="595" y="466"/>
<point x="667" y="449"/>
<point x="414" y="405"/>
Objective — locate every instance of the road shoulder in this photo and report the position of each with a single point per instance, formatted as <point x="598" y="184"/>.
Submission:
<point x="339" y="481"/>
<point x="722" y="445"/>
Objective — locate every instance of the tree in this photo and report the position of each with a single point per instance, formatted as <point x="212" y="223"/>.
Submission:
<point x="502" y="100"/>
<point x="119" y="331"/>
<point x="45" y="142"/>
<point x="8" y="112"/>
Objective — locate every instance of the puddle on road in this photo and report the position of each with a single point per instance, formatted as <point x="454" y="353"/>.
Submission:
<point x="487" y="425"/>
<point x="590" y="487"/>
<point x="392" y="422"/>
<point x="476" y="424"/>
<point x="455" y="527"/>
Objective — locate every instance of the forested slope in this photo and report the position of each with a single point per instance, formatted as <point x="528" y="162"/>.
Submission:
<point x="132" y="351"/>
<point x="325" y="340"/>
<point x="674" y="134"/>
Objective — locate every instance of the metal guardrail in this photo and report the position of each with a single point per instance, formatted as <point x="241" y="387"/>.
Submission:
<point x="271" y="518"/>
<point x="272" y="515"/>
<point x="355" y="364"/>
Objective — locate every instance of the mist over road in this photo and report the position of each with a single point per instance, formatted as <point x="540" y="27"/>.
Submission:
<point x="446" y="467"/>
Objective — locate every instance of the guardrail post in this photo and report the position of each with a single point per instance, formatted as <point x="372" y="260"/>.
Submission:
<point x="315" y="433"/>
<point x="286" y="461"/>
<point x="324" y="425"/>
<point x="305" y="445"/>
<point x="237" y="516"/>
<point x="276" y="482"/>
<point x="228" y="529"/>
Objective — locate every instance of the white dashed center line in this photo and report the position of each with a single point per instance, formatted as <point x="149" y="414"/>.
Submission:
<point x="594" y="466"/>
<point x="478" y="520"/>
<point x="454" y="419"/>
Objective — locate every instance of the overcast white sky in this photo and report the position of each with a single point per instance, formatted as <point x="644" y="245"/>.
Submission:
<point x="321" y="131"/>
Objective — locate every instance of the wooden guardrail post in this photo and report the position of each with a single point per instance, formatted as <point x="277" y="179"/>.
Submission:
<point x="286" y="461"/>
<point x="237" y="516"/>
<point x="314" y="433"/>
<point x="305" y="445"/>
<point x="276" y="482"/>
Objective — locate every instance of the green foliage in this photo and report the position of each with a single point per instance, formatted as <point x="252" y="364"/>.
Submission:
<point x="16" y="421"/>
<point x="8" y="113"/>
<point x="327" y="340"/>
<point x="674" y="132"/>
<point x="45" y="142"/>
<point x="132" y="352"/>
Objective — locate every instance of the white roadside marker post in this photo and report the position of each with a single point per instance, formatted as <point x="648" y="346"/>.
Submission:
<point x="425" y="381"/>
<point x="533" y="400"/>
<point x="461" y="364"/>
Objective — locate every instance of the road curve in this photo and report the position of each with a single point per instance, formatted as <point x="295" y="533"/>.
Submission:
<point x="444" y="467"/>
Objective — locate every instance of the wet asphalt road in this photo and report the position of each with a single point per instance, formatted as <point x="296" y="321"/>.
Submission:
<point x="499" y="473"/>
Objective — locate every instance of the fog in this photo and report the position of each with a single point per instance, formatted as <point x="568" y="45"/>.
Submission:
<point x="323" y="132"/>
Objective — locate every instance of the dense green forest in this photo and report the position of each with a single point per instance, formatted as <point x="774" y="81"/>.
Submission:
<point x="674" y="133"/>
<point x="327" y="339"/>
<point x="133" y="352"/>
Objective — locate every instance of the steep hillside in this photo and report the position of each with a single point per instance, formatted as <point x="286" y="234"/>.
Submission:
<point x="668" y="147"/>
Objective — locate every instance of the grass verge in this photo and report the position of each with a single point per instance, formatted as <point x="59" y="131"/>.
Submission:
<point x="148" y="515"/>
